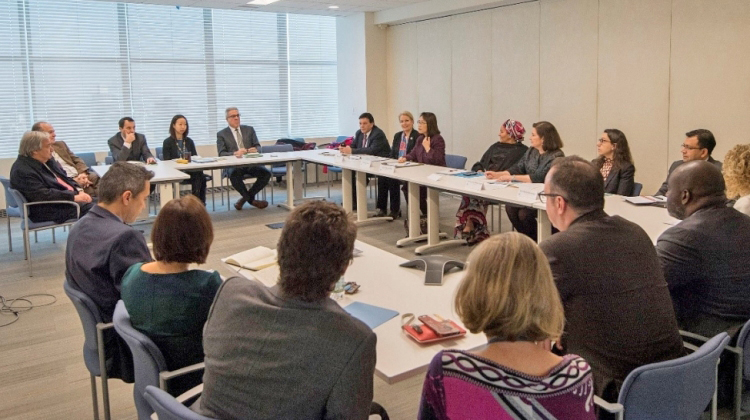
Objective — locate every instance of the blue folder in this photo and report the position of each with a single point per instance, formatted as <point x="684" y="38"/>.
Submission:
<point x="371" y="315"/>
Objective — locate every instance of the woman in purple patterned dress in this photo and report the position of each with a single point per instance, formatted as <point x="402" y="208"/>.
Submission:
<point x="509" y="294"/>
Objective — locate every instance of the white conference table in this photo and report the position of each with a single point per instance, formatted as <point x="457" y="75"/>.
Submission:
<point x="165" y="177"/>
<point x="385" y="284"/>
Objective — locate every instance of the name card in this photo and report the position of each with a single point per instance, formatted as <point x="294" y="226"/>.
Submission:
<point x="434" y="177"/>
<point x="528" y="192"/>
<point x="338" y="159"/>
<point x="387" y="169"/>
<point x="365" y="163"/>
<point x="475" y="186"/>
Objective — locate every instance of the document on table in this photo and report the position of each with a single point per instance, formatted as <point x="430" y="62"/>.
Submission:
<point x="646" y="199"/>
<point x="529" y="192"/>
<point x="372" y="316"/>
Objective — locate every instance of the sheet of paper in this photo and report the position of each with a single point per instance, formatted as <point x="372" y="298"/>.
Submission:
<point x="474" y="186"/>
<point x="435" y="177"/>
<point x="387" y="169"/>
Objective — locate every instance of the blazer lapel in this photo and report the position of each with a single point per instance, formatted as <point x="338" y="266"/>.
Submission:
<point x="611" y="176"/>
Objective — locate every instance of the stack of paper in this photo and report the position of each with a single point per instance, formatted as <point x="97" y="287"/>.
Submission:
<point x="253" y="259"/>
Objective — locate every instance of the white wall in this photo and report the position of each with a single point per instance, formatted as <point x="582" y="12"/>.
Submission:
<point x="652" y="68"/>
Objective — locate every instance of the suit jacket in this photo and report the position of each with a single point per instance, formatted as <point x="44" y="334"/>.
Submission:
<point x="99" y="251"/>
<point x="138" y="149"/>
<point x="396" y="144"/>
<point x="436" y="155"/>
<point x="621" y="179"/>
<point x="37" y="182"/>
<point x="227" y="145"/>
<point x="377" y="143"/>
<point x="170" y="149"/>
<point x="705" y="261"/>
<point x="675" y="164"/>
<point x="69" y="157"/>
<point x="617" y="306"/>
<point x="273" y="357"/>
<point x="500" y="157"/>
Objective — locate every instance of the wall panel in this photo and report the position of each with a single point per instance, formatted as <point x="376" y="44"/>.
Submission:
<point x="402" y="76"/>
<point x="434" y="73"/>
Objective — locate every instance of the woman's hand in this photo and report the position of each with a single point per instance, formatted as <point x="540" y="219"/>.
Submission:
<point x="426" y="144"/>
<point x="401" y="160"/>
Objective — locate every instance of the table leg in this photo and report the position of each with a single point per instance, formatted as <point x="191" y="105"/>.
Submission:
<point x="166" y="192"/>
<point x="346" y="190"/>
<point x="361" y="196"/>
<point x="543" y="227"/>
<point x="433" y="225"/>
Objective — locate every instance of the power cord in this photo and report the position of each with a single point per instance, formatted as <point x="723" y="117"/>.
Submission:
<point x="7" y="308"/>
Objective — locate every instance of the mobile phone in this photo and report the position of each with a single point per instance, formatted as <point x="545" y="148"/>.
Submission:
<point x="442" y="329"/>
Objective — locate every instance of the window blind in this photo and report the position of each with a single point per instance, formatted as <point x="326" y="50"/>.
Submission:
<point x="82" y="65"/>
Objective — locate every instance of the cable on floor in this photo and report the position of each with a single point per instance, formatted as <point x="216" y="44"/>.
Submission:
<point x="7" y="305"/>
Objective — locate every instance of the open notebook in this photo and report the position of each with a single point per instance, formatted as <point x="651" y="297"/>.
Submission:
<point x="254" y="259"/>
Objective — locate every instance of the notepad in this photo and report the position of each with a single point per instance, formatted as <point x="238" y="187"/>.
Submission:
<point x="372" y="316"/>
<point x="256" y="258"/>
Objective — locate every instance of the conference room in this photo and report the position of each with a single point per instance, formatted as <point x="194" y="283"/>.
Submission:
<point x="252" y="117"/>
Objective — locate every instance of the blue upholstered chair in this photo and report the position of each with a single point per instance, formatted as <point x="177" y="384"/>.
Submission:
<point x="672" y="390"/>
<point x="93" y="344"/>
<point x="455" y="161"/>
<point x="150" y="366"/>
<point x="11" y="208"/>
<point x="637" y="188"/>
<point x="89" y="158"/>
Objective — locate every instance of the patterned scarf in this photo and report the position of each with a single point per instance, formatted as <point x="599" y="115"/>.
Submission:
<point x="515" y="129"/>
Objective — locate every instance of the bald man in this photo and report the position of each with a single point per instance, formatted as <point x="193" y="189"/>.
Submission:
<point x="705" y="257"/>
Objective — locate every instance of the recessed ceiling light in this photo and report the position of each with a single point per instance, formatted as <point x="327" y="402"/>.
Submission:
<point x="261" y="2"/>
<point x="333" y="7"/>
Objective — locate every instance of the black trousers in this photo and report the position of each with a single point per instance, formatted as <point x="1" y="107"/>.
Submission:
<point x="389" y="188"/>
<point x="237" y="179"/>
<point x="58" y="213"/>
<point x="198" y="185"/>
<point x="422" y="197"/>
<point x="523" y="220"/>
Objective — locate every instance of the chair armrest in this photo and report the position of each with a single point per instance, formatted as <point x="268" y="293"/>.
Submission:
<point x="102" y="326"/>
<point x="689" y="346"/>
<point x="72" y="203"/>
<point x="188" y="397"/>
<point x="694" y="336"/>
<point x="608" y="406"/>
<point x="164" y="377"/>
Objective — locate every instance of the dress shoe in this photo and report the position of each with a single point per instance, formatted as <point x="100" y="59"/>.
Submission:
<point x="241" y="202"/>
<point x="380" y="213"/>
<point x="261" y="204"/>
<point x="396" y="215"/>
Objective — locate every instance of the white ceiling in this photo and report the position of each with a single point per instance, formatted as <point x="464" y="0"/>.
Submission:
<point x="317" y="7"/>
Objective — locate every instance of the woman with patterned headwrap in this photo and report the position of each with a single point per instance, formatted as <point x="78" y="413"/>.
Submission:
<point x="471" y="221"/>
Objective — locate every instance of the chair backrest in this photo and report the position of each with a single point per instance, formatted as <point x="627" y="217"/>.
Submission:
<point x="90" y="316"/>
<point x="276" y="148"/>
<point x="637" y="188"/>
<point x="300" y="139"/>
<point x="167" y="407"/>
<point x="743" y="342"/>
<point x="160" y="153"/>
<point x="109" y="160"/>
<point x="9" y="200"/>
<point x="674" y="389"/>
<point x="147" y="358"/>
<point x="455" y="161"/>
<point x="339" y="139"/>
<point x="89" y="158"/>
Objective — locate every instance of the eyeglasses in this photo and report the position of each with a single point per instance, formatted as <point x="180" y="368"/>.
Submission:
<point x="600" y="141"/>
<point x="686" y="147"/>
<point x="233" y="116"/>
<point x="420" y="122"/>
<point x="542" y="196"/>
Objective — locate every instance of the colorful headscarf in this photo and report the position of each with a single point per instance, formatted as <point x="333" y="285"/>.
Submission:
<point x="515" y="129"/>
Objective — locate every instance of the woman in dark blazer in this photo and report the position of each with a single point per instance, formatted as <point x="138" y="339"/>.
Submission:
<point x="429" y="149"/>
<point x="175" y="147"/>
<point x="403" y="143"/>
<point x="615" y="162"/>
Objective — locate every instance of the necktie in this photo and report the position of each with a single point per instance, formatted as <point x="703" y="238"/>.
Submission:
<point x="402" y="146"/>
<point x="364" y="141"/>
<point x="239" y="138"/>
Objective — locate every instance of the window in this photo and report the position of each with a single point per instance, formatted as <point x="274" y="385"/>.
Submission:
<point x="82" y="65"/>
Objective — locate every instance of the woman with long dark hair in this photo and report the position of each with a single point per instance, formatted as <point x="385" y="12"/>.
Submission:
<point x="615" y="162"/>
<point x="176" y="145"/>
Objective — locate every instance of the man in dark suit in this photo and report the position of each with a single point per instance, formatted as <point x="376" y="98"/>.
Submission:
<point x="102" y="246"/>
<point x="705" y="257"/>
<point x="129" y="145"/>
<point x="698" y="145"/>
<point x="618" y="311"/>
<point x="369" y="140"/>
<point x="73" y="166"/>
<point x="237" y="140"/>
<point x="36" y="175"/>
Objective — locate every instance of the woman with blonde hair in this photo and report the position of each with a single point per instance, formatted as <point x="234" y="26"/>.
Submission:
<point x="737" y="176"/>
<point x="509" y="295"/>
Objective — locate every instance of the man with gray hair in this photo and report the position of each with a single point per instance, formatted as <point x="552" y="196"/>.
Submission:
<point x="102" y="246"/>
<point x="618" y="311"/>
<point x="36" y="176"/>
<point x="73" y="165"/>
<point x="236" y="140"/>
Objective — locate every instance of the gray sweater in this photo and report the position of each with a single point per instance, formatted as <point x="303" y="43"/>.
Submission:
<point x="270" y="357"/>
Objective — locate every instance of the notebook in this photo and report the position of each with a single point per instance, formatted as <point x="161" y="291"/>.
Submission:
<point x="256" y="258"/>
<point x="371" y="315"/>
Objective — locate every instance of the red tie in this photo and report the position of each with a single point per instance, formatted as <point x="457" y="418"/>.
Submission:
<point x="63" y="183"/>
